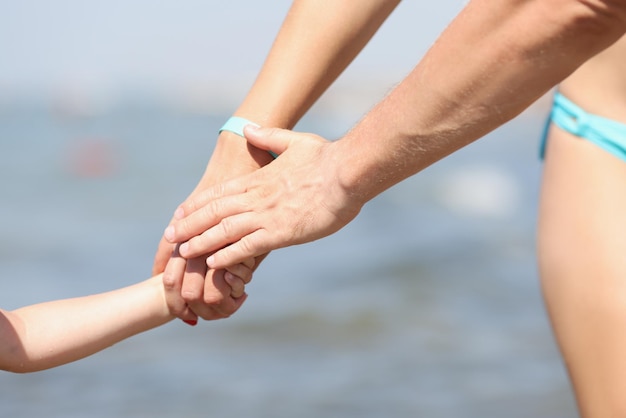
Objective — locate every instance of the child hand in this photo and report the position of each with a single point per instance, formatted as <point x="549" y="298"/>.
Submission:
<point x="192" y="290"/>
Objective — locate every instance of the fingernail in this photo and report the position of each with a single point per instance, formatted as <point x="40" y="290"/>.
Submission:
<point x="183" y="248"/>
<point x="169" y="233"/>
<point x="210" y="261"/>
<point x="179" y="213"/>
<point x="192" y="322"/>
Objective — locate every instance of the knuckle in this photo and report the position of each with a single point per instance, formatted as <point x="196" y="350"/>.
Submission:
<point x="218" y="191"/>
<point x="212" y="209"/>
<point x="178" y="310"/>
<point x="213" y="299"/>
<point x="246" y="246"/>
<point x="212" y="193"/>
<point x="190" y="296"/>
<point x="273" y="131"/>
<point x="249" y="263"/>
<point x="196" y="245"/>
<point x="189" y="206"/>
<point x="238" y="280"/>
<point x="227" y="226"/>
<point x="181" y="228"/>
<point x="169" y="280"/>
<point x="245" y="278"/>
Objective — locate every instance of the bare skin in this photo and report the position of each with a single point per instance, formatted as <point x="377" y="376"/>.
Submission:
<point x="582" y="237"/>
<point x="315" y="187"/>
<point x="50" y="334"/>
<point x="437" y="109"/>
<point x="316" y="42"/>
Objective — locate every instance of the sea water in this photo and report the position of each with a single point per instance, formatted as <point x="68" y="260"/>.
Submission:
<point x="426" y="305"/>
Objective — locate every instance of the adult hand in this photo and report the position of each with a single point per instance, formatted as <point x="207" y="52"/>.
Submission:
<point x="204" y="291"/>
<point x="297" y="198"/>
<point x="231" y="158"/>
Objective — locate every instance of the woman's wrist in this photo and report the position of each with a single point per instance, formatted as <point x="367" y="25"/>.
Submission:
<point x="236" y="125"/>
<point x="232" y="157"/>
<point x="245" y="154"/>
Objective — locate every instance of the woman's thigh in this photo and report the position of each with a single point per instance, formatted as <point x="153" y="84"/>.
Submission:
<point x="582" y="260"/>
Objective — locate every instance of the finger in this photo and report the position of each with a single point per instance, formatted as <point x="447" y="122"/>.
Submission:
<point x="217" y="293"/>
<point x="250" y="262"/>
<point x="230" y="229"/>
<point x="206" y="216"/>
<point x="257" y="243"/>
<point x="199" y="200"/>
<point x="269" y="139"/>
<point x="242" y="270"/>
<point x="162" y="256"/>
<point x="217" y="301"/>
<point x="213" y="202"/>
<point x="237" y="285"/>
<point x="193" y="281"/>
<point x="258" y="260"/>
<point x="172" y="283"/>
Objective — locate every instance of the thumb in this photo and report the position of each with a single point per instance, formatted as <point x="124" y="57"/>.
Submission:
<point x="273" y="140"/>
<point x="162" y="256"/>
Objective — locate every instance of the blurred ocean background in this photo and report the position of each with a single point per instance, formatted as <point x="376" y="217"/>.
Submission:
<point x="427" y="305"/>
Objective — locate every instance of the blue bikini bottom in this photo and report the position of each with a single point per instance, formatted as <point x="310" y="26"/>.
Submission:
<point x="603" y="132"/>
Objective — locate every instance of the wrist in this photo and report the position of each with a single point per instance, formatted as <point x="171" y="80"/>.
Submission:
<point x="232" y="157"/>
<point x="237" y="124"/>
<point x="346" y="186"/>
<point x="162" y="310"/>
<point x="235" y="146"/>
<point x="351" y="172"/>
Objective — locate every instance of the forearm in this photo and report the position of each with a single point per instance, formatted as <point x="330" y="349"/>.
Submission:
<point x="317" y="41"/>
<point x="484" y="70"/>
<point x="494" y="60"/>
<point x="58" y="332"/>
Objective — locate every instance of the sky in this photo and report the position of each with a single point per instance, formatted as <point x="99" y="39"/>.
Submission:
<point x="108" y="48"/>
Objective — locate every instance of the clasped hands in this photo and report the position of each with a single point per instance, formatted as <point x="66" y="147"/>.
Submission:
<point x="223" y="232"/>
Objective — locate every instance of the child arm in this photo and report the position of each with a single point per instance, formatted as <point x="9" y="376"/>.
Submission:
<point x="50" y="334"/>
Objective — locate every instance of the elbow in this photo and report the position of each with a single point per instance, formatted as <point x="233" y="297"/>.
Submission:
<point x="16" y="360"/>
<point x="13" y="355"/>
<point x="18" y="365"/>
<point x="18" y="371"/>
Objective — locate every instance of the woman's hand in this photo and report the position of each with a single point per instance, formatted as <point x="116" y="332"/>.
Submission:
<point x="297" y="198"/>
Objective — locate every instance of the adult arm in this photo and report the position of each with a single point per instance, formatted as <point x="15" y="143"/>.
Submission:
<point x="316" y="42"/>
<point x="493" y="61"/>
